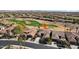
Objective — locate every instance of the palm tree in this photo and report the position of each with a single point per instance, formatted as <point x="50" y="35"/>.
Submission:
<point x="19" y="30"/>
<point x="50" y="38"/>
<point x="76" y="29"/>
<point x="20" y="40"/>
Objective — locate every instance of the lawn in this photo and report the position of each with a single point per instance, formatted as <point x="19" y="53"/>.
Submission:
<point x="34" y="23"/>
<point x="31" y="23"/>
<point x="52" y="25"/>
<point x="21" y="22"/>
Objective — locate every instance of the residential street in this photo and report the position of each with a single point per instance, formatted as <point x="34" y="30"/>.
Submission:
<point x="28" y="44"/>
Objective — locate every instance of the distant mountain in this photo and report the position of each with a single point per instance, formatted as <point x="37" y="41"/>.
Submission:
<point x="71" y="13"/>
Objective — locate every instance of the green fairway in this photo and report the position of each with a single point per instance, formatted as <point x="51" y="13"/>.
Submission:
<point x="31" y="23"/>
<point x="34" y="23"/>
<point x="21" y="22"/>
<point x="51" y="25"/>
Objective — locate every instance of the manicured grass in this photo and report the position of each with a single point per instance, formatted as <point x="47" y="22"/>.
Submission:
<point x="21" y="22"/>
<point x="34" y="23"/>
<point x="51" y="25"/>
<point x="47" y="16"/>
<point x="72" y="17"/>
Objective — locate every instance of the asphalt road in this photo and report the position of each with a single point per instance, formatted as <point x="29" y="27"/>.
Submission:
<point x="28" y="44"/>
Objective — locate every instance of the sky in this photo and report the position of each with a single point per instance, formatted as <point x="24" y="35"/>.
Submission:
<point x="52" y="5"/>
